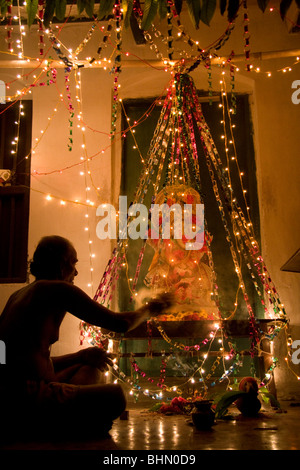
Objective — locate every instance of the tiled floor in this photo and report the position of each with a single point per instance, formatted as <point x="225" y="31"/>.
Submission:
<point x="144" y="430"/>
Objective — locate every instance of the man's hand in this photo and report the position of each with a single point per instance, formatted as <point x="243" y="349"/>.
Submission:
<point x="153" y="308"/>
<point x="160" y="304"/>
<point x="97" y="357"/>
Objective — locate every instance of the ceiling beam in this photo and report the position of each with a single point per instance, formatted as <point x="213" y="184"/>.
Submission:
<point x="27" y="64"/>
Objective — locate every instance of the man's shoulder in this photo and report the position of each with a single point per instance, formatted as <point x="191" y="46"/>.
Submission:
<point x="44" y="285"/>
<point x="55" y="287"/>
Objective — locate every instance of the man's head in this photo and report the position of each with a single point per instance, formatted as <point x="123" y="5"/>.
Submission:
<point x="54" y="259"/>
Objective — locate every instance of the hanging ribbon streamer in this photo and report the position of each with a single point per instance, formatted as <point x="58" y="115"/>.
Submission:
<point x="232" y="82"/>
<point x="41" y="26"/>
<point x="87" y="38"/>
<point x="233" y="96"/>
<point x="208" y="67"/>
<point x="117" y="66"/>
<point x="104" y="40"/>
<point x="162" y="377"/>
<point x="70" y="108"/>
<point x="57" y="48"/>
<point x="170" y="31"/>
<point x="137" y="273"/>
<point x="246" y="36"/>
<point x="9" y="27"/>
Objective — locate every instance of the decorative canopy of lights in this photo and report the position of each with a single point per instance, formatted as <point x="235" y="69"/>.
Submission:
<point x="173" y="146"/>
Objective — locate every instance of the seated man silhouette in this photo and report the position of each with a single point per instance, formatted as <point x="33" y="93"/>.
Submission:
<point x="59" y="393"/>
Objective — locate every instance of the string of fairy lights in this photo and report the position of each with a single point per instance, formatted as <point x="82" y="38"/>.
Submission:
<point x="109" y="57"/>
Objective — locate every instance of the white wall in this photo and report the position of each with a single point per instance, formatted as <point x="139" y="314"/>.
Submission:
<point x="276" y="124"/>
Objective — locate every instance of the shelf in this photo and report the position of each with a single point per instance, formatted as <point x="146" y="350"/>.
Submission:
<point x="196" y="329"/>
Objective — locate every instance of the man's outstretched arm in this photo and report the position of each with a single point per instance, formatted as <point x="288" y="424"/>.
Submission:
<point x="65" y="296"/>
